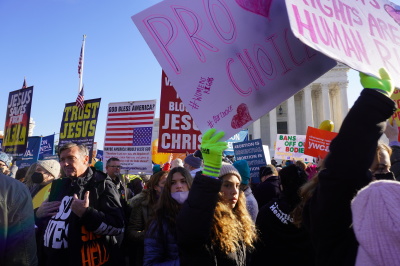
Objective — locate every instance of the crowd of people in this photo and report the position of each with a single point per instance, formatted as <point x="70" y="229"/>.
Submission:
<point x="205" y="210"/>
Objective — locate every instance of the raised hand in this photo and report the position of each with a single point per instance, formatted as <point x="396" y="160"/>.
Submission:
<point x="211" y="149"/>
<point x="384" y="84"/>
<point x="79" y="206"/>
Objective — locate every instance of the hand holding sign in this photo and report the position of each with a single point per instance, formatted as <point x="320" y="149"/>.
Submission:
<point x="384" y="84"/>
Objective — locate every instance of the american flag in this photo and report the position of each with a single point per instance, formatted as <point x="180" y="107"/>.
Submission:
<point x="129" y="128"/>
<point x="79" y="100"/>
<point x="24" y="84"/>
<point x="142" y="136"/>
<point x="80" y="63"/>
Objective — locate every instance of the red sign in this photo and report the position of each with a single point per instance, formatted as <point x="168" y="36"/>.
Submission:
<point x="177" y="131"/>
<point x="318" y="141"/>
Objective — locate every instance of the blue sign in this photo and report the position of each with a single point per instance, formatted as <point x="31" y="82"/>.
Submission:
<point x="31" y="154"/>
<point x="99" y="155"/>
<point x="46" y="147"/>
<point x="252" y="151"/>
<point x="239" y="137"/>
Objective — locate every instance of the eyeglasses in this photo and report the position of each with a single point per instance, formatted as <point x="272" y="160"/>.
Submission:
<point x="115" y="166"/>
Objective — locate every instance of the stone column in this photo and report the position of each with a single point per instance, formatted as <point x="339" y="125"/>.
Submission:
<point x="343" y="99"/>
<point x="308" y="107"/>
<point x="257" y="129"/>
<point x="273" y="129"/>
<point x="291" y="116"/>
<point x="326" y="109"/>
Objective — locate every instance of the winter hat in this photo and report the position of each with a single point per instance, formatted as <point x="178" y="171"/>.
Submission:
<point x="228" y="168"/>
<point x="156" y="168"/>
<point x="99" y="166"/>
<point x="176" y="163"/>
<point x="265" y="170"/>
<point x="193" y="161"/>
<point x="51" y="166"/>
<point x="244" y="170"/>
<point x="376" y="223"/>
<point x="5" y="158"/>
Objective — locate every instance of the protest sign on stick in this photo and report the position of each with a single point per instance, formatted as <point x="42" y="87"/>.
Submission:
<point x="291" y="147"/>
<point x="318" y="141"/>
<point x="129" y="134"/>
<point x="229" y="63"/>
<point x="252" y="151"/>
<point x="177" y="132"/>
<point x="364" y="35"/>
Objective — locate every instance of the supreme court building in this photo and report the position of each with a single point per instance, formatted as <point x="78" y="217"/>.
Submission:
<point x="324" y="99"/>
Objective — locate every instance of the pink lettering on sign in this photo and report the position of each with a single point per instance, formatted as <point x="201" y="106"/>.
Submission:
<point x="331" y="34"/>
<point x="263" y="62"/>
<point x="191" y="24"/>
<point x="158" y="26"/>
<point x="164" y="30"/>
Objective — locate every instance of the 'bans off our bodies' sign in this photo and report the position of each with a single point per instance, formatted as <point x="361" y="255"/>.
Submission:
<point x="364" y="34"/>
<point x="231" y="62"/>
<point x="291" y="147"/>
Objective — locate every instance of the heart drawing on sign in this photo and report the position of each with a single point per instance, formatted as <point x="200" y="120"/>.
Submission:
<point x="395" y="14"/>
<point x="260" y="7"/>
<point x="242" y="116"/>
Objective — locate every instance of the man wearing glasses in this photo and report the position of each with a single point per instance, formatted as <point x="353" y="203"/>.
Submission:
<point x="113" y="170"/>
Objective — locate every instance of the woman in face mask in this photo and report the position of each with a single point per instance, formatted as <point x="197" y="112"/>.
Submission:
<point x="46" y="171"/>
<point x="5" y="163"/>
<point x="160" y="241"/>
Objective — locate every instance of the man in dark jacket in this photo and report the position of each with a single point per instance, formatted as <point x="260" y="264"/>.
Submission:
<point x="270" y="186"/>
<point x="86" y="214"/>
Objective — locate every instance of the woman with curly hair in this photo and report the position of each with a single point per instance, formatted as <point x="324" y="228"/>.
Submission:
<point x="160" y="245"/>
<point x="214" y="226"/>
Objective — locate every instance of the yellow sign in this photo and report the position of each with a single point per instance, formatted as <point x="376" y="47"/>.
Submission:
<point x="41" y="196"/>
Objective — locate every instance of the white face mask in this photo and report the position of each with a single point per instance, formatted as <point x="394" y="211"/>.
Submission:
<point x="180" y="196"/>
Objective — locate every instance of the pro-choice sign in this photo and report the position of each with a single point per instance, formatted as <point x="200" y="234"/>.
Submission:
<point x="363" y="34"/>
<point x="290" y="147"/>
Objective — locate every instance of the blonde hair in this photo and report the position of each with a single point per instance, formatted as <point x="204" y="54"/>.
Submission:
<point x="232" y="227"/>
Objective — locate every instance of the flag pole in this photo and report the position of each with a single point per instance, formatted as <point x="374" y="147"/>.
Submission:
<point x="81" y="61"/>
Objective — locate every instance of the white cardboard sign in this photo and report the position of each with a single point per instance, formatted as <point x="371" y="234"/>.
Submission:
<point x="230" y="61"/>
<point x="363" y="34"/>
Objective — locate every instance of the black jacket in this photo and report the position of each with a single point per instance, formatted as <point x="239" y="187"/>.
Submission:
<point x="280" y="242"/>
<point x="328" y="216"/>
<point x="267" y="190"/>
<point x="194" y="227"/>
<point x="70" y="240"/>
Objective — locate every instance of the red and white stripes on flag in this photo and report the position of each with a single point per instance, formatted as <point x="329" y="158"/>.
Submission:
<point x="122" y="122"/>
<point x="80" y="99"/>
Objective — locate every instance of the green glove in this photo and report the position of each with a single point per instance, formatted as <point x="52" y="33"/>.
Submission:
<point x="383" y="85"/>
<point x="211" y="150"/>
